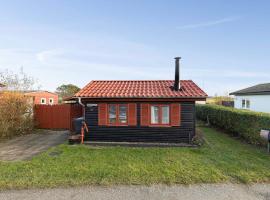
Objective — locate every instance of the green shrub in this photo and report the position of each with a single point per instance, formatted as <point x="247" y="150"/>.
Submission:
<point x="246" y="124"/>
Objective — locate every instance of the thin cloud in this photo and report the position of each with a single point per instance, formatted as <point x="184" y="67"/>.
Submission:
<point x="43" y="56"/>
<point x="209" y="23"/>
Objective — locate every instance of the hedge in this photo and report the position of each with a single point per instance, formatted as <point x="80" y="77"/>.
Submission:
<point x="243" y="123"/>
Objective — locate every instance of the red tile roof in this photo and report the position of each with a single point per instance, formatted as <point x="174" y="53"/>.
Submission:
<point x="140" y="89"/>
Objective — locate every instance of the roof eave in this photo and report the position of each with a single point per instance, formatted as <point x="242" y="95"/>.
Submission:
<point x="249" y="93"/>
<point x="176" y="97"/>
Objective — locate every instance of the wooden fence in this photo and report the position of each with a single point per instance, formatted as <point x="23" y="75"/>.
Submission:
<point x="56" y="116"/>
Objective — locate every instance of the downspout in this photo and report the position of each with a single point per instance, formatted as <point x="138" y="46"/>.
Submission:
<point x="84" y="125"/>
<point x="80" y="102"/>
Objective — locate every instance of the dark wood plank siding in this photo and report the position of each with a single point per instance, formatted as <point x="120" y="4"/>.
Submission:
<point x="183" y="133"/>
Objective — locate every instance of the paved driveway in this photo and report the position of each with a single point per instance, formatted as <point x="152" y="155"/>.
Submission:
<point x="25" y="147"/>
<point x="158" y="192"/>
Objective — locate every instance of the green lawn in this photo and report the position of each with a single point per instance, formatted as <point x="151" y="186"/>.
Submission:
<point x="221" y="159"/>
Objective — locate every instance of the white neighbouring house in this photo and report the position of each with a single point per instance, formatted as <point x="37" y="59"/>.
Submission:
<point x="255" y="98"/>
<point x="2" y="86"/>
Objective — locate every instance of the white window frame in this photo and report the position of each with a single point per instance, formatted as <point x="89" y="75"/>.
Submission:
<point x="42" y="102"/>
<point x="158" y="120"/>
<point x="154" y="118"/>
<point x="51" y="99"/>
<point x="246" y="104"/>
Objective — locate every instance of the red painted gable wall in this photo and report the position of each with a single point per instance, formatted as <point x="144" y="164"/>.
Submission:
<point x="43" y="94"/>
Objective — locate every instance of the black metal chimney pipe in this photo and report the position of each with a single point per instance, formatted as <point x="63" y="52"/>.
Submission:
<point x="176" y="80"/>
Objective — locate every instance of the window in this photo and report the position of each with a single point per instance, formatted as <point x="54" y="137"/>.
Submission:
<point x="165" y="115"/>
<point x="51" y="101"/>
<point x="118" y="114"/>
<point x="122" y="114"/>
<point x="112" y="114"/>
<point x="243" y="103"/>
<point x="160" y="114"/>
<point x="43" y="100"/>
<point x="154" y="114"/>
<point x="247" y="104"/>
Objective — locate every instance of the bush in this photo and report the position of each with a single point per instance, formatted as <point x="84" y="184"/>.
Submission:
<point x="16" y="114"/>
<point x="246" y="124"/>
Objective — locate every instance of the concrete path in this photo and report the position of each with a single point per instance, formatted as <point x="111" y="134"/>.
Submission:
<point x="157" y="192"/>
<point x="25" y="147"/>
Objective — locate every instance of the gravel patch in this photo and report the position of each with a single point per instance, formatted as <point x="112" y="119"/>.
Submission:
<point x="26" y="146"/>
<point x="157" y="192"/>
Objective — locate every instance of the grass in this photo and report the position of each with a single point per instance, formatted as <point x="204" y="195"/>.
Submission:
<point x="220" y="159"/>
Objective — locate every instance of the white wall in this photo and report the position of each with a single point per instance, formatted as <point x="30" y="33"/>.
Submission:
<point x="200" y="102"/>
<point x="259" y="103"/>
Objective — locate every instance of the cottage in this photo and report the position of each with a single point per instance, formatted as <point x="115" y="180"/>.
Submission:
<point x="42" y="97"/>
<point x="141" y="111"/>
<point x="255" y="98"/>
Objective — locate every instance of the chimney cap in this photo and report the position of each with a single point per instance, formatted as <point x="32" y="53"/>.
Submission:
<point x="177" y="58"/>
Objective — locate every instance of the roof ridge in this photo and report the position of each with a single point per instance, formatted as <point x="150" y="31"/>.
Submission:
<point x="36" y="91"/>
<point x="261" y="84"/>
<point x="140" y="89"/>
<point x="258" y="88"/>
<point x="134" y="80"/>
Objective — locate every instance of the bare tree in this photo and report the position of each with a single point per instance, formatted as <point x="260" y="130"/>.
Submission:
<point x="18" y="81"/>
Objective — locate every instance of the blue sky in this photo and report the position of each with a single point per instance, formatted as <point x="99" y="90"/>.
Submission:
<point x="224" y="45"/>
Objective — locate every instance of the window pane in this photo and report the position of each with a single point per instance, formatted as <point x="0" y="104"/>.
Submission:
<point x="243" y="103"/>
<point x="112" y="114"/>
<point x="248" y="103"/>
<point x="43" y="101"/>
<point x="123" y="114"/>
<point x="165" y="115"/>
<point x="154" y="115"/>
